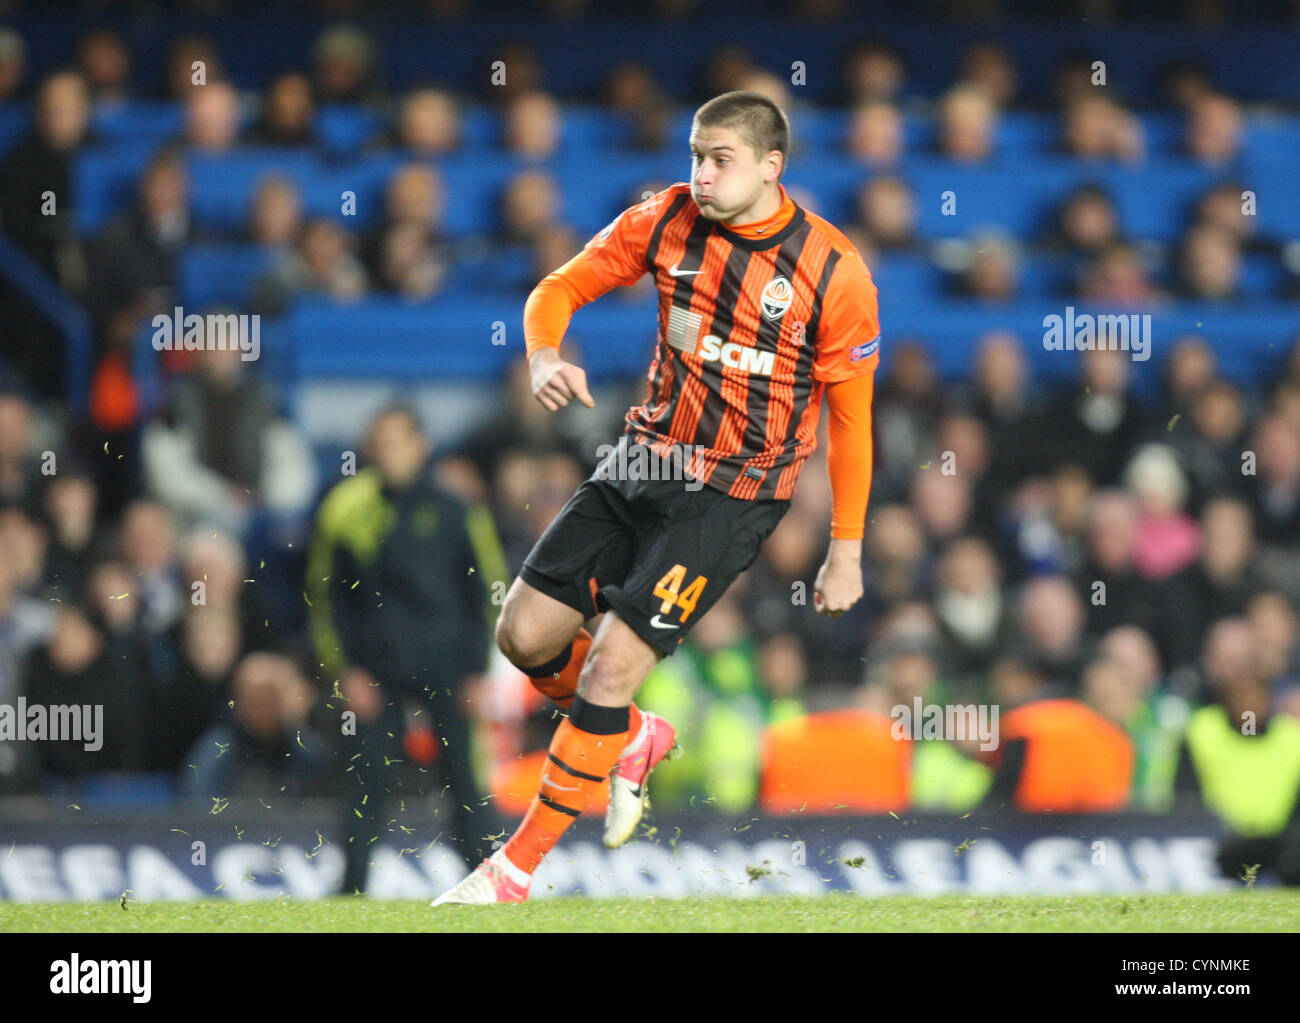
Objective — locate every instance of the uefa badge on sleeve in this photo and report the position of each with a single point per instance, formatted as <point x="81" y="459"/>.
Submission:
<point x="859" y="352"/>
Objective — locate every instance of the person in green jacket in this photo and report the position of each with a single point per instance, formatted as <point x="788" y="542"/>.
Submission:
<point x="399" y="581"/>
<point x="1154" y="720"/>
<point x="1243" y="763"/>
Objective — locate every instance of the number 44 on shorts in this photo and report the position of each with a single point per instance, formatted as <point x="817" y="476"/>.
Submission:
<point x="669" y="589"/>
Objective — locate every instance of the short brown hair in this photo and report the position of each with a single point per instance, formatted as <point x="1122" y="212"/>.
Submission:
<point x="751" y="115"/>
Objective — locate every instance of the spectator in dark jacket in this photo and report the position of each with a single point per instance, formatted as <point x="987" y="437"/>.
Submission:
<point x="137" y="251"/>
<point x="81" y="666"/>
<point x="40" y="166"/>
<point x="36" y="213"/>
<point x="1275" y="487"/>
<point x="264" y="746"/>
<point x="400" y="580"/>
<point x="1098" y="421"/>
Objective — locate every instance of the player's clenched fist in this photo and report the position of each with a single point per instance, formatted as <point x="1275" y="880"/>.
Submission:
<point x="839" y="582"/>
<point x="556" y="382"/>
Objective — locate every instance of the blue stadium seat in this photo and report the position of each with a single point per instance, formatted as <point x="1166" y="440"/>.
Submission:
<point x="581" y="128"/>
<point x="906" y="280"/>
<point x="138" y="121"/>
<point x="506" y="268"/>
<point x="13" y="123"/>
<point x="105" y="181"/>
<point x="1156" y="200"/>
<point x="912" y="282"/>
<point x="467" y="274"/>
<point x="616" y="335"/>
<point x="1027" y="133"/>
<point x="680" y="127"/>
<point x="1044" y="277"/>
<point x="595" y="129"/>
<point x="1262" y="276"/>
<point x="1273" y="141"/>
<point x="344" y="129"/>
<point x="222" y="186"/>
<point x="818" y="130"/>
<point x="1277" y="195"/>
<point x="597" y="190"/>
<point x="474" y="185"/>
<point x="918" y="135"/>
<point x="366" y="177"/>
<point x="448" y="338"/>
<point x="480" y="128"/>
<point x="220" y="274"/>
<point x="833" y="183"/>
<point x="1006" y="194"/>
<point x="1163" y="133"/>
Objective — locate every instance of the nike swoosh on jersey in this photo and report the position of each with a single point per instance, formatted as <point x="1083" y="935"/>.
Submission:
<point x="661" y="625"/>
<point x="676" y="271"/>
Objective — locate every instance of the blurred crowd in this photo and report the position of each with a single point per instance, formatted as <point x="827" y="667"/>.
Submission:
<point x="1139" y="557"/>
<point x="128" y="268"/>
<point x="1137" y="554"/>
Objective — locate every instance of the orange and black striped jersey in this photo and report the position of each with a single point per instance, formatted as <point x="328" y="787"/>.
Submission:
<point x="751" y="330"/>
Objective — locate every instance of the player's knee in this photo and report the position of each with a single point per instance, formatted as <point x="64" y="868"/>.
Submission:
<point x="610" y="677"/>
<point x="511" y="638"/>
<point x="521" y="636"/>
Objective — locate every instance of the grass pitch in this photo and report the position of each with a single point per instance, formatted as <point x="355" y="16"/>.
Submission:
<point x="1255" y="910"/>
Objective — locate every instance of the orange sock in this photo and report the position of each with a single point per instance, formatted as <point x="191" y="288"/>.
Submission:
<point x="560" y="686"/>
<point x="560" y="683"/>
<point x="583" y="751"/>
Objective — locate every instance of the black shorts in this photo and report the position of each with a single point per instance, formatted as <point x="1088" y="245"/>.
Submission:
<point x="660" y="552"/>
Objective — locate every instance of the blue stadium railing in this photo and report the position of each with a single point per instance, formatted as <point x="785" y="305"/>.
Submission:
<point x="59" y="309"/>
<point x="450" y="339"/>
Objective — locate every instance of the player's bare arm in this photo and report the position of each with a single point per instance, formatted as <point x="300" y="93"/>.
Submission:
<point x="556" y="382"/>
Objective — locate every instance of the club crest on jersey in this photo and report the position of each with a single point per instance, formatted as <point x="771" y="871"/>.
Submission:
<point x="776" y="297"/>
